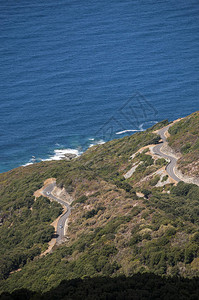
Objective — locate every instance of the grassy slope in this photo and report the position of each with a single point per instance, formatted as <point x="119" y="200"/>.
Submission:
<point x="185" y="140"/>
<point x="25" y="224"/>
<point x="111" y="230"/>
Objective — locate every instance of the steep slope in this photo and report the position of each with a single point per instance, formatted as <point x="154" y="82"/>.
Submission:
<point x="141" y="223"/>
<point x="25" y="223"/>
<point x="184" y="139"/>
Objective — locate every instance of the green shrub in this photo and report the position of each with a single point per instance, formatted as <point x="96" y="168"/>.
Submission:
<point x="161" y="162"/>
<point x="93" y="212"/>
<point x="182" y="189"/>
<point x="164" y="178"/>
<point x="170" y="232"/>
<point x="146" y="193"/>
<point x="81" y="199"/>
<point x="190" y="253"/>
<point x="154" y="180"/>
<point x="185" y="148"/>
<point x="195" y="238"/>
<point x="146" y="236"/>
<point x="135" y="239"/>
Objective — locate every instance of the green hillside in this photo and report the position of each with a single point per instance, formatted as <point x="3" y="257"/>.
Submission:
<point x="117" y="226"/>
<point x="184" y="139"/>
<point x="25" y="224"/>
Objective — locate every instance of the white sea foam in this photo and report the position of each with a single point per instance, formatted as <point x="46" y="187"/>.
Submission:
<point x="128" y="130"/>
<point x="100" y="142"/>
<point x="149" y="123"/>
<point x="60" y="154"/>
<point x="28" y="164"/>
<point x="31" y="162"/>
<point x="140" y="127"/>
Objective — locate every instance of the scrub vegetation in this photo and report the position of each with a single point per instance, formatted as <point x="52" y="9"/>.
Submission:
<point x="118" y="227"/>
<point x="184" y="139"/>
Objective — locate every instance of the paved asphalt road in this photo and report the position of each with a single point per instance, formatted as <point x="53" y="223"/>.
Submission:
<point x="61" y="223"/>
<point x="173" y="160"/>
<point x="157" y="150"/>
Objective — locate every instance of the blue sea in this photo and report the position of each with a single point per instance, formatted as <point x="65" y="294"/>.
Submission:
<point x="77" y="73"/>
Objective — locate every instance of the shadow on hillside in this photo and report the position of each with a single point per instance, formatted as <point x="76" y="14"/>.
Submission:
<point x="55" y="236"/>
<point x="138" y="287"/>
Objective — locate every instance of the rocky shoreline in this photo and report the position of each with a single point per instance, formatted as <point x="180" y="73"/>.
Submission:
<point x="69" y="156"/>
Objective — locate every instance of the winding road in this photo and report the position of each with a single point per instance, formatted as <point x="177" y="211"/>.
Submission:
<point x="47" y="192"/>
<point x="173" y="160"/>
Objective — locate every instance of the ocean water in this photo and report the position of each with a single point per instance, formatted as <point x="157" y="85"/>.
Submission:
<point x="75" y="73"/>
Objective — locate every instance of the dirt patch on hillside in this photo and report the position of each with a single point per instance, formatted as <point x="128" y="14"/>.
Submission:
<point x="48" y="181"/>
<point x="141" y="150"/>
<point x="62" y="194"/>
